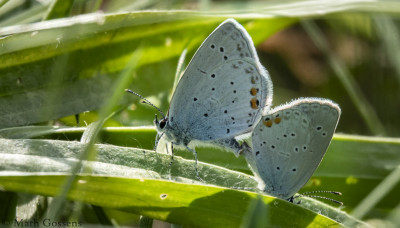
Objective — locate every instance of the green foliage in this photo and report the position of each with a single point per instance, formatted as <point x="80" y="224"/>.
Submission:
<point x="54" y="69"/>
<point x="135" y="181"/>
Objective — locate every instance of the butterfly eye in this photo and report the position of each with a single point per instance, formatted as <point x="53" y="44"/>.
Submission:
<point x="163" y="122"/>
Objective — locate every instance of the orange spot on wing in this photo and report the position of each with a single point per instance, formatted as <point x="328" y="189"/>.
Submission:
<point x="253" y="91"/>
<point x="254" y="103"/>
<point x="268" y="123"/>
<point x="277" y="120"/>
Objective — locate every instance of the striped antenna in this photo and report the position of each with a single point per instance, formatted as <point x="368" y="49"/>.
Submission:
<point x="145" y="101"/>
<point x="318" y="197"/>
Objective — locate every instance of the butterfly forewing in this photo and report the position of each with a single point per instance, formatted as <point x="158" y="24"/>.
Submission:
<point x="223" y="89"/>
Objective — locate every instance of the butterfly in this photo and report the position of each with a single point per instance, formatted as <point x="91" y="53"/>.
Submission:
<point x="289" y="142"/>
<point x="220" y="95"/>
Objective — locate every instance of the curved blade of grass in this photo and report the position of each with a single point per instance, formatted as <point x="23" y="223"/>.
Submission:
<point x="179" y="203"/>
<point x="51" y="157"/>
<point x="2" y="2"/>
<point x="19" y="155"/>
<point x="377" y="194"/>
<point x="364" y="161"/>
<point x="255" y="215"/>
<point x="94" y="47"/>
<point x="361" y="156"/>
<point x="7" y="200"/>
<point x="146" y="222"/>
<point x="394" y="215"/>
<point x="84" y="54"/>
<point x="179" y="72"/>
<point x="32" y="14"/>
<point x="58" y="9"/>
<point x="378" y="154"/>
<point x="358" y="156"/>
<point x="31" y="131"/>
<point x="89" y="153"/>
<point x="307" y="8"/>
<point x="389" y="34"/>
<point x="355" y="165"/>
<point x="360" y="101"/>
<point x="99" y="31"/>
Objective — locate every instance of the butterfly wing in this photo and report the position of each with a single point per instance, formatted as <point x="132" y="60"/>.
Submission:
<point x="290" y="142"/>
<point x="223" y="89"/>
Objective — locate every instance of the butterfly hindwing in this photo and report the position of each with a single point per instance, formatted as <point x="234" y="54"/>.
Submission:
<point x="290" y="142"/>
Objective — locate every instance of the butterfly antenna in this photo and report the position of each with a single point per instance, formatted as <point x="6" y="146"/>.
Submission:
<point x="325" y="198"/>
<point x="145" y="101"/>
<point x="320" y="197"/>
<point x="330" y="192"/>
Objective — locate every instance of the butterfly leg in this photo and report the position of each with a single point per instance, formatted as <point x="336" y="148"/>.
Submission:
<point x="291" y="199"/>
<point x="230" y="144"/>
<point x="77" y="119"/>
<point x="246" y="151"/>
<point x="195" y="162"/>
<point x="171" y="161"/>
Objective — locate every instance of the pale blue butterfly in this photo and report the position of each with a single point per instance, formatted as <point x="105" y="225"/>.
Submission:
<point x="220" y="95"/>
<point x="289" y="143"/>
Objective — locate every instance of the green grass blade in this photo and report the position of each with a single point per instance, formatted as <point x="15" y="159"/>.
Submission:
<point x="179" y="71"/>
<point x="2" y="2"/>
<point x="256" y="215"/>
<point x="58" y="9"/>
<point x="145" y="222"/>
<point x="363" y="161"/>
<point x="90" y="153"/>
<point x="93" y="49"/>
<point x="8" y="201"/>
<point x="389" y="34"/>
<point x="377" y="194"/>
<point x="33" y="14"/>
<point x="360" y="101"/>
<point x="178" y="203"/>
<point x="360" y="156"/>
<point x="306" y="8"/>
<point x="394" y="215"/>
<point x="31" y="158"/>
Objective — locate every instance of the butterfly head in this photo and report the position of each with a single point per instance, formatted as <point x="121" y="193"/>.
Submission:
<point x="161" y="124"/>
